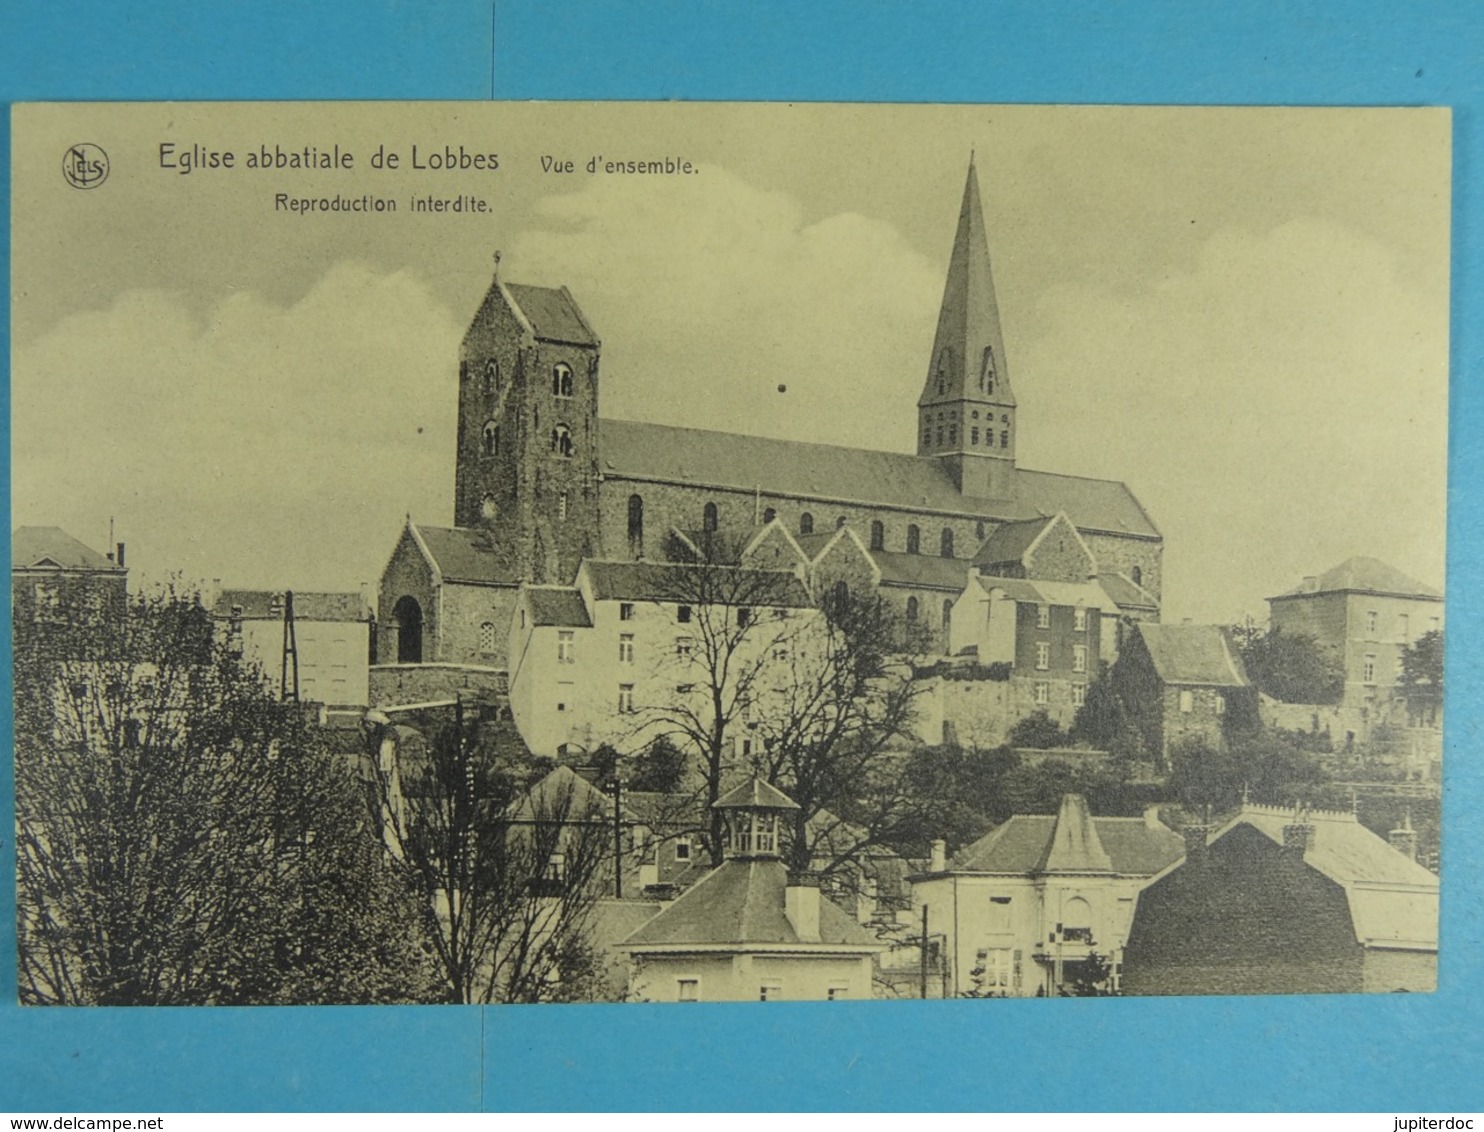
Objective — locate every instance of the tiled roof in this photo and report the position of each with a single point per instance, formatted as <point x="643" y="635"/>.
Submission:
<point x="742" y="902"/>
<point x="1193" y="654"/>
<point x="557" y="605"/>
<point x="1075" y="846"/>
<point x="552" y="313"/>
<point x="1024" y="845"/>
<point x="44" y="546"/>
<point x="928" y="571"/>
<point x="1392" y="898"/>
<point x="1126" y="593"/>
<point x="463" y="554"/>
<point x="1363" y="575"/>
<point x="1017" y="589"/>
<point x="663" y="581"/>
<point x="1009" y="543"/>
<point x="267" y="605"/>
<point x="632" y="449"/>
<point x="562" y="793"/>
<point x="755" y="794"/>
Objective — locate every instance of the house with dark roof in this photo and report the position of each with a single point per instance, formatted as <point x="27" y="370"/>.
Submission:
<point x="53" y="575"/>
<point x="332" y="635"/>
<point x="1182" y="684"/>
<point x="1024" y="907"/>
<point x="748" y="930"/>
<point x="543" y="483"/>
<point x="611" y="658"/>
<point x="1278" y="901"/>
<point x="1366" y="614"/>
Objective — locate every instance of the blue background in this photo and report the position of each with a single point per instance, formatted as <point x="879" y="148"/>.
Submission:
<point x="1394" y="1052"/>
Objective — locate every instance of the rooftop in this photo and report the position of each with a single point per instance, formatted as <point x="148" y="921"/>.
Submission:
<point x="1193" y="654"/>
<point x="557" y="605"/>
<point x="1071" y="841"/>
<point x="463" y="554"/>
<point x="53" y="548"/>
<point x="668" y="454"/>
<point x="742" y="902"/>
<point x="679" y="582"/>
<point x="553" y="314"/>
<point x="267" y="605"/>
<point x="1362" y="574"/>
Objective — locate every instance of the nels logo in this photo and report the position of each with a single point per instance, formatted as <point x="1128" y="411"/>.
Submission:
<point x="85" y="165"/>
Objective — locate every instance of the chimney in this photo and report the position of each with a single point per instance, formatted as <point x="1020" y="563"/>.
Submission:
<point x="1195" y="840"/>
<point x="120" y="558"/>
<point x="1298" y="835"/>
<point x="801" y="905"/>
<point x="1404" y="839"/>
<point x="939" y="861"/>
<point x="1151" y="817"/>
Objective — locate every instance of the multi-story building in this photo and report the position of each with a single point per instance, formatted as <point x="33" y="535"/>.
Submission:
<point x="53" y="576"/>
<point x="330" y="634"/>
<point x="1025" y="906"/>
<point x="1275" y="901"/>
<point x="1365" y="614"/>
<point x="613" y="657"/>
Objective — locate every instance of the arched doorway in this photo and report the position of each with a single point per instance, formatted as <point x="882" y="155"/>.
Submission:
<point x="409" y="617"/>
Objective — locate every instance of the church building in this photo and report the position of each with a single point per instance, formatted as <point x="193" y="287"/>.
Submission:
<point x="544" y="482"/>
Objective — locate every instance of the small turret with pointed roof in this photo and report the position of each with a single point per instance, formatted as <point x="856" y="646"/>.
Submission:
<point x="966" y="414"/>
<point x="751" y="812"/>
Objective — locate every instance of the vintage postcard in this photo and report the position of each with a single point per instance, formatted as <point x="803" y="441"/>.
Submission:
<point x="552" y="553"/>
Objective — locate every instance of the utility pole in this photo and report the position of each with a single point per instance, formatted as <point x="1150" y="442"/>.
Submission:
<point x="922" y="953"/>
<point x="290" y="652"/>
<point x="617" y="787"/>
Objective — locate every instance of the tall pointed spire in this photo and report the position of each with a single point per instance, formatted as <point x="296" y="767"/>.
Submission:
<point x="966" y="411"/>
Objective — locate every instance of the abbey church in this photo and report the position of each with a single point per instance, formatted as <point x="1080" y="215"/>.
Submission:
<point x="544" y="483"/>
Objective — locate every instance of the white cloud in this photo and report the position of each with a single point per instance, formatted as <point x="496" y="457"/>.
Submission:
<point x="1279" y="407"/>
<point x="263" y="444"/>
<point x="709" y="293"/>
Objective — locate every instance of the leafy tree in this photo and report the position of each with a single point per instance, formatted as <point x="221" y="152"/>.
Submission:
<point x="506" y="877"/>
<point x="1106" y="722"/>
<point x="181" y="836"/>
<point x="1037" y="730"/>
<point x="1290" y="667"/>
<point x="1263" y="765"/>
<point x="660" y="768"/>
<point x="1422" y="677"/>
<point x="1087" y="978"/>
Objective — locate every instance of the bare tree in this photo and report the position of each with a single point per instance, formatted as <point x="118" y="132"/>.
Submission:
<point x="836" y="731"/>
<point x="181" y="836"/>
<point x="507" y="879"/>
<point x="741" y="620"/>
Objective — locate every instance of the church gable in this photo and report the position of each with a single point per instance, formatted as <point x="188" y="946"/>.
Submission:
<point x="844" y="559"/>
<point x="1058" y="554"/>
<point x="773" y="548"/>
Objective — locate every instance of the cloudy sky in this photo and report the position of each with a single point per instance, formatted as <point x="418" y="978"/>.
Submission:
<point x="1240" y="313"/>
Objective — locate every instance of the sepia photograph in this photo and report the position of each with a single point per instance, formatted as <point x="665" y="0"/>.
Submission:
<point x="704" y="552"/>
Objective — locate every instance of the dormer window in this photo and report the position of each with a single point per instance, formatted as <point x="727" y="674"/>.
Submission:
<point x="986" y="374"/>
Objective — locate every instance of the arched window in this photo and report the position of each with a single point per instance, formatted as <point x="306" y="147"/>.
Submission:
<point x="487" y="637"/>
<point x="561" y="380"/>
<point x="636" y="526"/>
<point x="491" y="439"/>
<point x="989" y="438"/>
<point x="1004" y="438"/>
<point x="839" y="521"/>
<point x="708" y="517"/>
<point x="1137" y="575"/>
<point x="945" y="544"/>
<point x="878" y="535"/>
<point x="491" y="377"/>
<point x="409" y="618"/>
<point x="947" y="621"/>
<point x="911" y="609"/>
<point x="979" y="530"/>
<point x="806" y="524"/>
<point x="914" y="539"/>
<point x="769" y="514"/>
<point x="561" y="441"/>
<point x="986" y="375"/>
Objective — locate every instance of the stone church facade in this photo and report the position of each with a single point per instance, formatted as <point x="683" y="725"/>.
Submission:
<point x="543" y="482"/>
